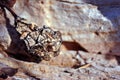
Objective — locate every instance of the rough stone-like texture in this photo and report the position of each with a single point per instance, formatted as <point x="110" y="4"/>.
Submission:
<point x="93" y="24"/>
<point x="101" y="67"/>
<point x="87" y="27"/>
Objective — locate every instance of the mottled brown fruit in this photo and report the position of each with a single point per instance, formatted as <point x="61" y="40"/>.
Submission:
<point x="41" y="43"/>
